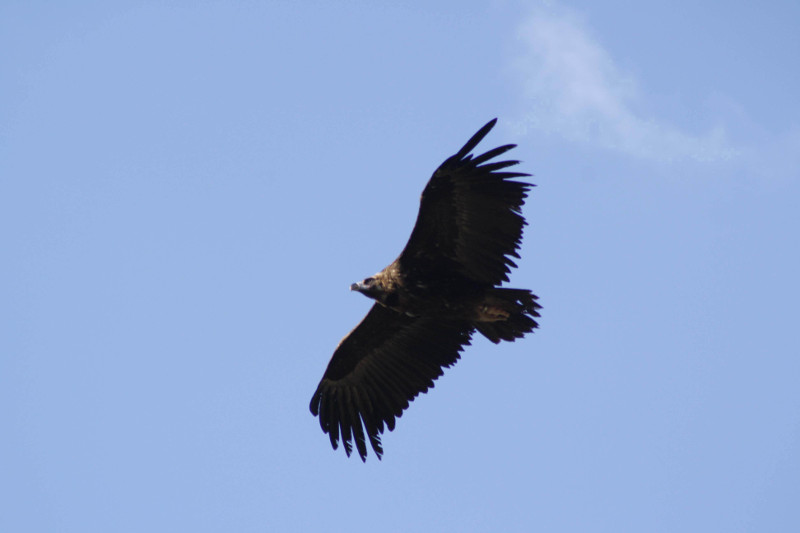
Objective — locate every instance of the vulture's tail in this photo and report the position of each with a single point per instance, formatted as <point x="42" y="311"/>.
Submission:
<point x="520" y="307"/>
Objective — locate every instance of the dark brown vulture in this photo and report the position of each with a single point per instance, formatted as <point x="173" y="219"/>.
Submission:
<point x="431" y="299"/>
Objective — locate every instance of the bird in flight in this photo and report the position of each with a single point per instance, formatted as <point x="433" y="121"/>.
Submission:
<point x="444" y="285"/>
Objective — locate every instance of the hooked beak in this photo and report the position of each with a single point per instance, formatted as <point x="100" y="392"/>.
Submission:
<point x="357" y="287"/>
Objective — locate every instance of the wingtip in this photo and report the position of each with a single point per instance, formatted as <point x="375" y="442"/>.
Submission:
<point x="475" y="139"/>
<point x="486" y="129"/>
<point x="313" y="406"/>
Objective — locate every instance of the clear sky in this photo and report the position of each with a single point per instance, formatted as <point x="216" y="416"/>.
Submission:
<point x="187" y="189"/>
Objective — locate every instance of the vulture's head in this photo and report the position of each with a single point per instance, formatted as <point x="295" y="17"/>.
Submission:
<point x="380" y="287"/>
<point x="370" y="287"/>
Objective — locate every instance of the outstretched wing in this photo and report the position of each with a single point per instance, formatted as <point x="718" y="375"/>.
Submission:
<point x="469" y="216"/>
<point x="376" y="370"/>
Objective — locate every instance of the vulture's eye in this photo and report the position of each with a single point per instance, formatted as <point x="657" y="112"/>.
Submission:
<point x="369" y="281"/>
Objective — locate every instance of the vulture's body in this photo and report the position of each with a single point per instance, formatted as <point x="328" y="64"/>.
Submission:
<point x="429" y="301"/>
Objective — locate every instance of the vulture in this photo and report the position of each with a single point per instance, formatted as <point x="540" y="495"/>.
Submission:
<point x="444" y="285"/>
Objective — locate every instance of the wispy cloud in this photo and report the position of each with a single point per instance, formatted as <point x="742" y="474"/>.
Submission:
<point x="574" y="88"/>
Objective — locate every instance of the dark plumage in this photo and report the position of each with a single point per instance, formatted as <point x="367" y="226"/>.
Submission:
<point x="429" y="301"/>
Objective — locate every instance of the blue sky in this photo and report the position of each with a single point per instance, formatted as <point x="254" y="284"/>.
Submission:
<point x="187" y="189"/>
